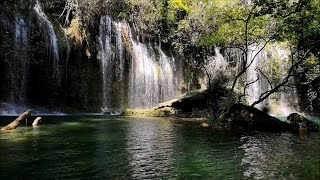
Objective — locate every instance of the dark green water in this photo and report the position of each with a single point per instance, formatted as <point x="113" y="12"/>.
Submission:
<point x="118" y="148"/>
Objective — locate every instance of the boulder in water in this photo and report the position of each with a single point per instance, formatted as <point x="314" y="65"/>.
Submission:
<point x="36" y="122"/>
<point x="299" y="122"/>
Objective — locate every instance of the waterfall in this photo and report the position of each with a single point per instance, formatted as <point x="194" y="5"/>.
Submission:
<point x="288" y="95"/>
<point x="154" y="77"/>
<point x="19" y="66"/>
<point x="150" y="78"/>
<point x="111" y="55"/>
<point x="283" y="102"/>
<point x="255" y="89"/>
<point x="120" y="49"/>
<point x="144" y="81"/>
<point x="105" y="55"/>
<point x="217" y="64"/>
<point x="50" y="38"/>
<point x="167" y="85"/>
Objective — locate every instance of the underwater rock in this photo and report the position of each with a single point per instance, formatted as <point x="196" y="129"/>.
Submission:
<point x="299" y="122"/>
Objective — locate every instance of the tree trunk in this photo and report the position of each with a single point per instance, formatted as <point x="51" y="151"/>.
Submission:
<point x="16" y="122"/>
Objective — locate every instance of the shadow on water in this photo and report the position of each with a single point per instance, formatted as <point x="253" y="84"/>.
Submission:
<point x="100" y="147"/>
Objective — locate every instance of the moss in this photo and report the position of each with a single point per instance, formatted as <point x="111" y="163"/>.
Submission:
<point x="165" y="112"/>
<point x="126" y="38"/>
<point x="123" y="16"/>
<point x="76" y="32"/>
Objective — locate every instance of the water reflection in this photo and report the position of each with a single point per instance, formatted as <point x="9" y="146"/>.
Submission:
<point x="94" y="148"/>
<point x="254" y="156"/>
<point x="266" y="157"/>
<point x="150" y="148"/>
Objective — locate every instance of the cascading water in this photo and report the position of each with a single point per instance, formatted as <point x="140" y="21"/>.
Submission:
<point x="153" y="76"/>
<point x="112" y="62"/>
<point x="288" y="96"/>
<point x="255" y="89"/>
<point x="50" y="38"/>
<point x="105" y="56"/>
<point x="153" y="79"/>
<point x="217" y="64"/>
<point x="144" y="85"/>
<point x="19" y="66"/>
<point x="167" y="84"/>
<point x="272" y="61"/>
<point x="283" y="102"/>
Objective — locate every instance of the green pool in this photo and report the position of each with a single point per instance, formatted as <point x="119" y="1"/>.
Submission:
<point x="125" y="148"/>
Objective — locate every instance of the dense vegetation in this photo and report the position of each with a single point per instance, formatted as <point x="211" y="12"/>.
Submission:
<point x="194" y="28"/>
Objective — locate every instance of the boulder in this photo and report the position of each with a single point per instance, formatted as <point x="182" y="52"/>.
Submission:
<point x="36" y="122"/>
<point x="190" y="101"/>
<point x="205" y="125"/>
<point x="299" y="122"/>
<point x="242" y="117"/>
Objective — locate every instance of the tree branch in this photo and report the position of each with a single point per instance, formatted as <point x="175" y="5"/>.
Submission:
<point x="245" y="87"/>
<point x="265" y="76"/>
<point x="266" y="94"/>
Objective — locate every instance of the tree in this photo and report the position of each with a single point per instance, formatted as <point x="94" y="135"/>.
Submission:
<point x="301" y="26"/>
<point x="242" y="25"/>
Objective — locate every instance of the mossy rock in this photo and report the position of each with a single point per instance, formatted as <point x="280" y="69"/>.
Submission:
<point x="190" y="101"/>
<point x="299" y="122"/>
<point x="165" y="112"/>
<point x="242" y="117"/>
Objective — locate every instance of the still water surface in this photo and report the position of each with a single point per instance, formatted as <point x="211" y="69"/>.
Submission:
<point x="121" y="148"/>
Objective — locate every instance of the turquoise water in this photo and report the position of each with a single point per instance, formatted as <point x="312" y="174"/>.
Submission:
<point x="122" y="148"/>
<point x="311" y="118"/>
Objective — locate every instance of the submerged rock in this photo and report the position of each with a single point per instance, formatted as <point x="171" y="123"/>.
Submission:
<point x="242" y="117"/>
<point x="299" y="122"/>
